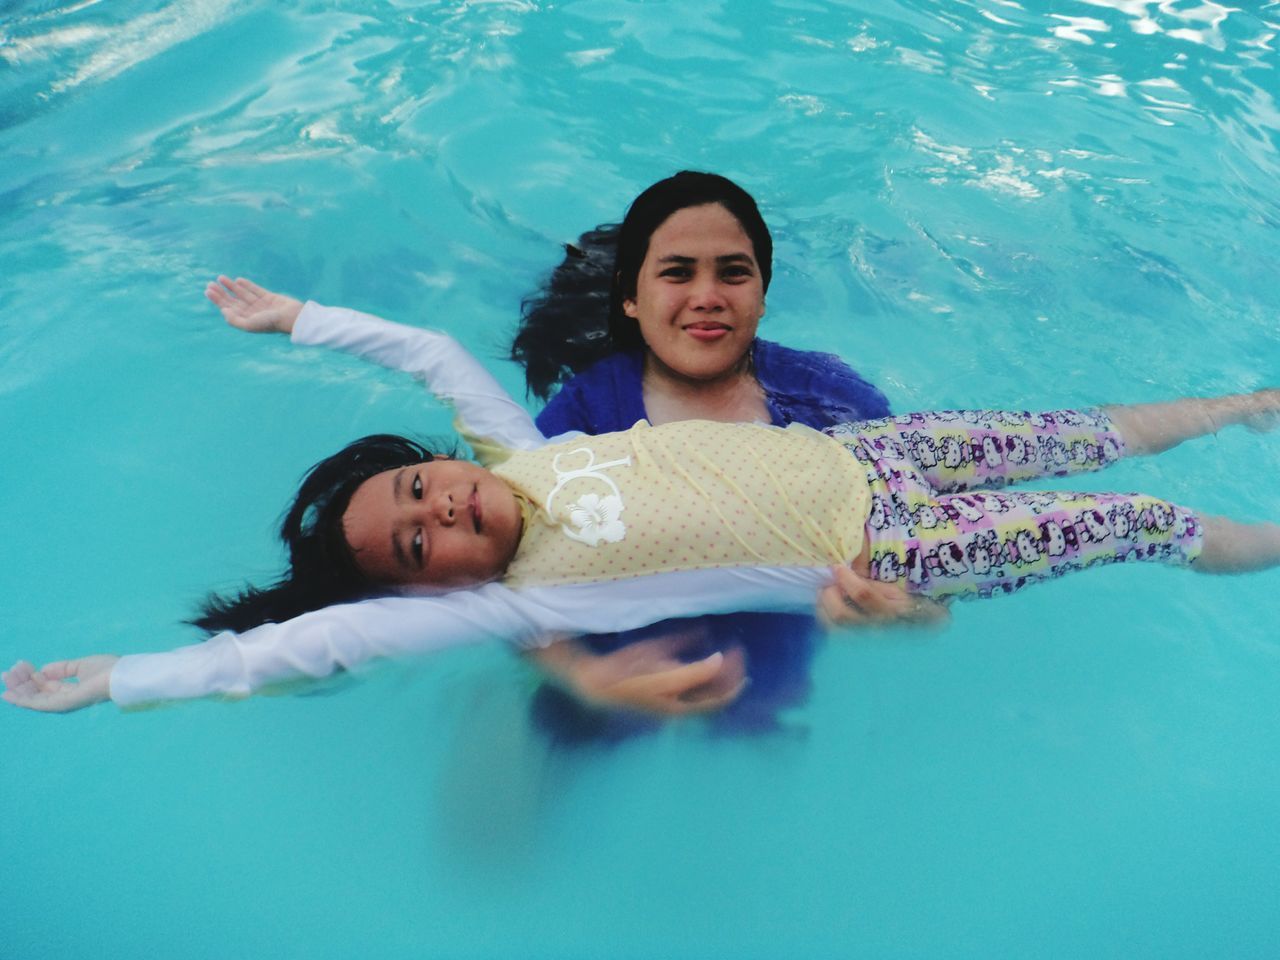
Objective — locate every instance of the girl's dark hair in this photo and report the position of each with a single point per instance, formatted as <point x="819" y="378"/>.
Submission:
<point x="577" y="317"/>
<point x="322" y="569"/>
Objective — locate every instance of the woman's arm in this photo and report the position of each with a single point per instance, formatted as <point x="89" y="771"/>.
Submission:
<point x="648" y="676"/>
<point x="852" y="600"/>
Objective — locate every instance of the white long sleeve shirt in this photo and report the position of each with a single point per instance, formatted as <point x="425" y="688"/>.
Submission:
<point x="342" y="636"/>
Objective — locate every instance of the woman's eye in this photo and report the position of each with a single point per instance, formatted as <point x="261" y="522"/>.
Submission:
<point x="417" y="487"/>
<point x="676" y="273"/>
<point x="739" y="273"/>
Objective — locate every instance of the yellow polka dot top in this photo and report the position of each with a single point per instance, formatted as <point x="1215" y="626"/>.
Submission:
<point x="683" y="496"/>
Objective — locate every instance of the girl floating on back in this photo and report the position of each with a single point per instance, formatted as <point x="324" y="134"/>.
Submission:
<point x="591" y="534"/>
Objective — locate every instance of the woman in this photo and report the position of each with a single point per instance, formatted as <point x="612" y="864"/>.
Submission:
<point x="655" y="319"/>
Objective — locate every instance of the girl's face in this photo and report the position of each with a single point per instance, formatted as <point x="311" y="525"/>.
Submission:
<point x="447" y="523"/>
<point x="699" y="295"/>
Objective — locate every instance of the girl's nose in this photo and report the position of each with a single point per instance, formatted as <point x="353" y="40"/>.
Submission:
<point x="442" y="510"/>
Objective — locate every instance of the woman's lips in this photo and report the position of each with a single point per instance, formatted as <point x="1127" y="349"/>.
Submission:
<point x="707" y="332"/>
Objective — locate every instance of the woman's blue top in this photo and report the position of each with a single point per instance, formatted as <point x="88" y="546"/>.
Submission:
<point x="816" y="389"/>
<point x="800" y="386"/>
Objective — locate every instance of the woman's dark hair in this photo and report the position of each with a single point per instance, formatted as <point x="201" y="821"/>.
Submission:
<point x="565" y="326"/>
<point x="322" y="569"/>
<point x="577" y="317"/>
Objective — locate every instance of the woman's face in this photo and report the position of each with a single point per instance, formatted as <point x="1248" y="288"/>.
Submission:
<point x="699" y="295"/>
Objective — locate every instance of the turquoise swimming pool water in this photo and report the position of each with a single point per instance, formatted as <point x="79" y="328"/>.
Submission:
<point x="987" y="201"/>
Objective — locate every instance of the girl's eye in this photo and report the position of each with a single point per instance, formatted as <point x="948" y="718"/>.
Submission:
<point x="417" y="486"/>
<point x="415" y="547"/>
<point x="676" y="273"/>
<point x="738" y="273"/>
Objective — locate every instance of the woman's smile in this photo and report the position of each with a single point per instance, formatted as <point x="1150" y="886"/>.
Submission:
<point x="708" y="332"/>
<point x="699" y="294"/>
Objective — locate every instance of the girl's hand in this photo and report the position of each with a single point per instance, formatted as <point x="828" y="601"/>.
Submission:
<point x="246" y="306"/>
<point x="854" y="600"/>
<point x="59" y="687"/>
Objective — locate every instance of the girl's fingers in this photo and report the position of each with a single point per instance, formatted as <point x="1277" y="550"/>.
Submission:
<point x="252" y="287"/>
<point x="18" y="674"/>
<point x="60" y="669"/>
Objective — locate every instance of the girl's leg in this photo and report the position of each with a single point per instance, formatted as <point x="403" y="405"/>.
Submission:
<point x="997" y="542"/>
<point x="1231" y="547"/>
<point x="1155" y="427"/>
<point x="954" y="450"/>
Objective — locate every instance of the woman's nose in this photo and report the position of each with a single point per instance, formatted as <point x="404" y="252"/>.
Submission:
<point x="706" y="294"/>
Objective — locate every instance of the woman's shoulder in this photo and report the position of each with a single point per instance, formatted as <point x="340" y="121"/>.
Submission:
<point x="815" y="387"/>
<point x="604" y="397"/>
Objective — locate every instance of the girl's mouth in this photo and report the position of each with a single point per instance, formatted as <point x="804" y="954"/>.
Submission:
<point x="477" y="515"/>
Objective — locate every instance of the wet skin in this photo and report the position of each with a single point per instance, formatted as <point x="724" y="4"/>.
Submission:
<point x="444" y="524"/>
<point x="699" y="295"/>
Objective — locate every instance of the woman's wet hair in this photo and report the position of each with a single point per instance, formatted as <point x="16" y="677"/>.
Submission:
<point x="564" y="327"/>
<point x="577" y="317"/>
<point x="322" y="568"/>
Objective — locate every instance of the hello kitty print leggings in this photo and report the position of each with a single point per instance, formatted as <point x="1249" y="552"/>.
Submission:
<point x="940" y="524"/>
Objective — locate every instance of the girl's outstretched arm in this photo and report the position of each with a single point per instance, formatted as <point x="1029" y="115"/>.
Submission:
<point x="485" y="410"/>
<point x="247" y="306"/>
<point x="59" y="687"/>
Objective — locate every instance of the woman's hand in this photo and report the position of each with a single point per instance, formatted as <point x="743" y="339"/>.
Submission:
<point x="648" y="676"/>
<point x="59" y="687"/>
<point x="246" y="306"/>
<point x="854" y="600"/>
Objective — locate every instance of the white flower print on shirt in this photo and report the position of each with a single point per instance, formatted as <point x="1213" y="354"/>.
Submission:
<point x="593" y="519"/>
<point x="596" y="519"/>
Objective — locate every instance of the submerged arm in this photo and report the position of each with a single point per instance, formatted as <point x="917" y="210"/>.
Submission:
<point x="649" y="676"/>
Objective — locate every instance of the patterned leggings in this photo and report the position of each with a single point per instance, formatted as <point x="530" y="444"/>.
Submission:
<point x="930" y="529"/>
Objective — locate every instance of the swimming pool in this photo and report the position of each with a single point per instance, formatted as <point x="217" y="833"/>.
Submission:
<point x="1010" y="203"/>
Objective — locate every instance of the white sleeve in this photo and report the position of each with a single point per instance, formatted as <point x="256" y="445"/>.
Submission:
<point x="435" y="358"/>
<point x="342" y="636"/>
<point x="629" y="604"/>
<point x="318" y="644"/>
